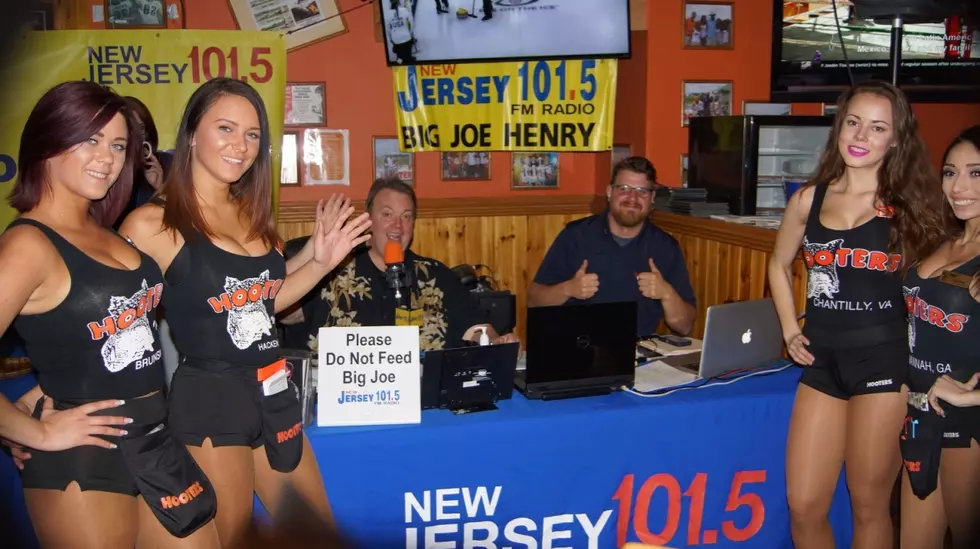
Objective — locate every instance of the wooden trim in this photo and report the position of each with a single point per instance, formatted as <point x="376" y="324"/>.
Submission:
<point x="302" y="212"/>
<point x="755" y="238"/>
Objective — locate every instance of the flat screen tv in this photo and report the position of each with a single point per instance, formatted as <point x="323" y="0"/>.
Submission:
<point x="423" y="32"/>
<point x="940" y="51"/>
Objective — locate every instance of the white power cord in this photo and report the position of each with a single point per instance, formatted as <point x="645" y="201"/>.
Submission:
<point x="713" y="382"/>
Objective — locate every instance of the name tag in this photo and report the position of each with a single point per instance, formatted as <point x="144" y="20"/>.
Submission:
<point x="959" y="280"/>
<point x="409" y="317"/>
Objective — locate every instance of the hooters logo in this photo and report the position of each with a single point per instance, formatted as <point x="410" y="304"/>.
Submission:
<point x="823" y="258"/>
<point x="919" y="309"/>
<point x="126" y="329"/>
<point x="244" y="301"/>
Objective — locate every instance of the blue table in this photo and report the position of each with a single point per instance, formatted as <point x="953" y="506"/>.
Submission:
<point x="697" y="467"/>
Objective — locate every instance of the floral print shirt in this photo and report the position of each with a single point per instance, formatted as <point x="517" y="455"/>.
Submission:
<point x="357" y="294"/>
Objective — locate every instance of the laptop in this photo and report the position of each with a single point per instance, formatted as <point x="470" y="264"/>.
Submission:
<point x="471" y="377"/>
<point x="744" y="334"/>
<point x="578" y="350"/>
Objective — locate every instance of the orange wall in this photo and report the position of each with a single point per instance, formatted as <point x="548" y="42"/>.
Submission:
<point x="747" y="66"/>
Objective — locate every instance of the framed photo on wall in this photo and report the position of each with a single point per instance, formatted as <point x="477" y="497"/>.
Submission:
<point x="534" y="170"/>
<point x="304" y="22"/>
<point x="132" y="14"/>
<point x="709" y="25"/>
<point x="389" y="161"/>
<point x="325" y="157"/>
<point x="620" y="152"/>
<point x="289" y="174"/>
<point x="705" y="99"/>
<point x="465" y="166"/>
<point x="306" y="104"/>
<point x="828" y="109"/>
<point x="766" y="108"/>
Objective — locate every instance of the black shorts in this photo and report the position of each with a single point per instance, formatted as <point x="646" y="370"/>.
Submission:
<point x="148" y="461"/>
<point x="225" y="403"/>
<point x="852" y="371"/>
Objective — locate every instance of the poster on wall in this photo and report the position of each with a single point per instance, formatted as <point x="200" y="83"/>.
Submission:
<point x="391" y="162"/>
<point x="559" y="106"/>
<point x="160" y="68"/>
<point x="304" y="22"/>
<point x="306" y="104"/>
<point x="326" y="157"/>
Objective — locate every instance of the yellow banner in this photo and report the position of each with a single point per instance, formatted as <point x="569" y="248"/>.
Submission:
<point x="524" y="106"/>
<point x="160" y="68"/>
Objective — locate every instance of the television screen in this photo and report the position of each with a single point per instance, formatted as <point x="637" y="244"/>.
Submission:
<point x="458" y="31"/>
<point x="938" y="56"/>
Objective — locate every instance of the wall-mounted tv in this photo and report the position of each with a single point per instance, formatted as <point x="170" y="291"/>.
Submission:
<point x="422" y="32"/>
<point x="940" y="54"/>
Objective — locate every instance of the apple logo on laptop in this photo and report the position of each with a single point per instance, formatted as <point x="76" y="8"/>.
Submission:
<point x="747" y="337"/>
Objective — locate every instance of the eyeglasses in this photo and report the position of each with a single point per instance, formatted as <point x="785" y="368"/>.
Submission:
<point x="642" y="192"/>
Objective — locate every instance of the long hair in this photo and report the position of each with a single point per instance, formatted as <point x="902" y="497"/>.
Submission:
<point x="906" y="180"/>
<point x="65" y="116"/>
<point x="142" y="112"/>
<point x="252" y="193"/>
<point x="954" y="225"/>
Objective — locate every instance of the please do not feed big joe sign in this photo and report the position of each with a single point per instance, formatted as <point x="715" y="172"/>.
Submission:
<point x="368" y="376"/>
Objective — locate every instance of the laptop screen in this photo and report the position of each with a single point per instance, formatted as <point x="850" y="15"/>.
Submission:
<point x="578" y="342"/>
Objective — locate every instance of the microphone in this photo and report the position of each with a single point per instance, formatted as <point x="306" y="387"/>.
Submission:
<point x="396" y="274"/>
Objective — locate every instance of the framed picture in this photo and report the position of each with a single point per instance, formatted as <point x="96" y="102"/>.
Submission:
<point x="683" y="179"/>
<point x="465" y="166"/>
<point x="42" y="16"/>
<point x="709" y="25"/>
<point x="828" y="109"/>
<point x="133" y="14"/>
<point x="304" y="22"/>
<point x="306" y="104"/>
<point x="389" y="161"/>
<point x="620" y="152"/>
<point x="534" y="170"/>
<point x="706" y="99"/>
<point x="765" y="108"/>
<point x="289" y="174"/>
<point x="325" y="157"/>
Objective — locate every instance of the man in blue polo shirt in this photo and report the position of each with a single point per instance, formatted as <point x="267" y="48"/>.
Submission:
<point x="620" y="255"/>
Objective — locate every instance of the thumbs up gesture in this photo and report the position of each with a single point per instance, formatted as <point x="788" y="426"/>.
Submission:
<point x="652" y="284"/>
<point x="583" y="285"/>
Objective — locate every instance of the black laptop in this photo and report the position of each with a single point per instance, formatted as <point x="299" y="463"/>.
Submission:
<point x="468" y="378"/>
<point x="579" y="350"/>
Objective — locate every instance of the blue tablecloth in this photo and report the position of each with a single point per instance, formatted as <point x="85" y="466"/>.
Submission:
<point x="697" y="467"/>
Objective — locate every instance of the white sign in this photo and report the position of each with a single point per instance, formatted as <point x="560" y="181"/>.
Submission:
<point x="368" y="376"/>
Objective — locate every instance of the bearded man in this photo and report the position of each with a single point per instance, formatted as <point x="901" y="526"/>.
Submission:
<point x="620" y="255"/>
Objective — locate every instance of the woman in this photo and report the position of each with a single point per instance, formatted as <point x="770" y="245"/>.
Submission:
<point x="84" y="301"/>
<point x="213" y="237"/>
<point x="153" y="165"/>
<point x="870" y="210"/>
<point x="941" y="486"/>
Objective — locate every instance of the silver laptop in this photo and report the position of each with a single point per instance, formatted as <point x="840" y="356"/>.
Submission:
<point x="744" y="334"/>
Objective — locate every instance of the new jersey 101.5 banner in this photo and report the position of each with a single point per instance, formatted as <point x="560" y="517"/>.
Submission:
<point x="566" y="105"/>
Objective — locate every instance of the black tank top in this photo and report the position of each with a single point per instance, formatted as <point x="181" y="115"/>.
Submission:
<point x="220" y="305"/>
<point x="851" y="278"/>
<point x="944" y="328"/>
<point x="101" y="341"/>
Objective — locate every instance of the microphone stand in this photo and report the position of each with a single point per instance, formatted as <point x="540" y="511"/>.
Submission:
<point x="896" y="47"/>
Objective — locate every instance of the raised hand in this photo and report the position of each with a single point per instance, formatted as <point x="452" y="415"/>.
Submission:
<point x="335" y="235"/>
<point x="652" y="284"/>
<point x="583" y="285"/>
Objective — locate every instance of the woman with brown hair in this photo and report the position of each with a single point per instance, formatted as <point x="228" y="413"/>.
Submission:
<point x="941" y="485"/>
<point x="868" y="214"/>
<point x="85" y="304"/>
<point x="213" y="235"/>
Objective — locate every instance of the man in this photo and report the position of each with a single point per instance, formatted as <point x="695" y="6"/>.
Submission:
<point x="401" y="34"/>
<point x="620" y="255"/>
<point x="357" y="293"/>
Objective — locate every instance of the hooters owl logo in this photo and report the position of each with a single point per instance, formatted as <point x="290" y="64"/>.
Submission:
<point x="244" y="300"/>
<point x="127" y="330"/>
<point x="822" y="278"/>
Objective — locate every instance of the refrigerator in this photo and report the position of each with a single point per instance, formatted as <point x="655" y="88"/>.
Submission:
<point x="752" y="162"/>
